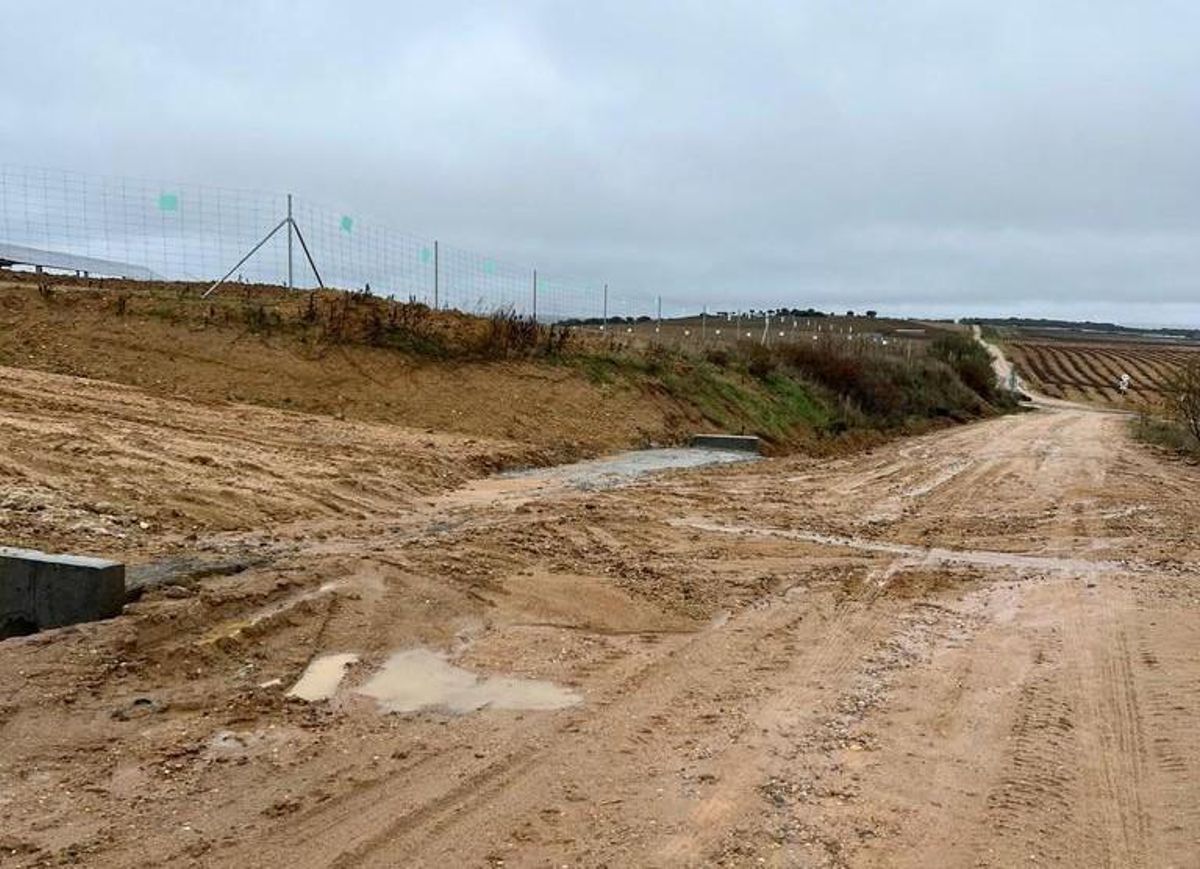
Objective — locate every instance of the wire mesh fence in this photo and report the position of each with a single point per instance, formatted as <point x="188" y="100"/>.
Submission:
<point x="188" y="232"/>
<point x="145" y="229"/>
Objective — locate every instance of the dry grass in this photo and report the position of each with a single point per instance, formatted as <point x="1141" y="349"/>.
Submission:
<point x="355" y="354"/>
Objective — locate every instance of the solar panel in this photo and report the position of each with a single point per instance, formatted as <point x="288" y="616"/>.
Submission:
<point x="15" y="254"/>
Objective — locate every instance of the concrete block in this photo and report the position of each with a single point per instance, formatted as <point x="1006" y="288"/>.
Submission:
<point x="38" y="590"/>
<point x="739" y="443"/>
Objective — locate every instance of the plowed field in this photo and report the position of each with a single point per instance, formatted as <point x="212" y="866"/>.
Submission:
<point x="1090" y="371"/>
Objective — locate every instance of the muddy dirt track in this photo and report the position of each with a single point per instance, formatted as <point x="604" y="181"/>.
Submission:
<point x="972" y="648"/>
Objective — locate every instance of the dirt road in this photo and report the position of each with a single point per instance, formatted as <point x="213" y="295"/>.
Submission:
<point x="972" y="648"/>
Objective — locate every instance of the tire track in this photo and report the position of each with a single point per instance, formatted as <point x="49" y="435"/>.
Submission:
<point x="1031" y="810"/>
<point x="740" y="661"/>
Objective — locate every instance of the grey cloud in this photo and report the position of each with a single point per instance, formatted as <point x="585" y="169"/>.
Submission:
<point x="937" y="157"/>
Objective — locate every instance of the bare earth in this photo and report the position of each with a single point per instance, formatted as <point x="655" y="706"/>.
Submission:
<point x="972" y="648"/>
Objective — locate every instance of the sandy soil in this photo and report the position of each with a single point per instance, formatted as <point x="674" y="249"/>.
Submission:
<point x="971" y="648"/>
<point x="167" y="355"/>
<point x="103" y="467"/>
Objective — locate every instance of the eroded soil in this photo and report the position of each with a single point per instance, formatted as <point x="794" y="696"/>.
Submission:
<point x="971" y="648"/>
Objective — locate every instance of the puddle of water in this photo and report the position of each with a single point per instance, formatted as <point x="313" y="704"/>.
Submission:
<point x="322" y="677"/>
<point x="419" y="679"/>
<point x="615" y="470"/>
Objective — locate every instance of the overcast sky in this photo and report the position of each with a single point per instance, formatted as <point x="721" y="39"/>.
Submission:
<point x="1038" y="158"/>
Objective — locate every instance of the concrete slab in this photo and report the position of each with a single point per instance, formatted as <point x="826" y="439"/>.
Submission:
<point x="739" y="443"/>
<point x="39" y="590"/>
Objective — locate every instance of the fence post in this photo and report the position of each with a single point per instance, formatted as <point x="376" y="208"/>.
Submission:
<point x="435" y="275"/>
<point x="535" y="295"/>
<point x="290" y="222"/>
<point x="605" y="329"/>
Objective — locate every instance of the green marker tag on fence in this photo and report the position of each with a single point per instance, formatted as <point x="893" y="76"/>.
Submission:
<point x="426" y="255"/>
<point x="489" y="267"/>
<point x="168" y="202"/>
<point x="347" y="223"/>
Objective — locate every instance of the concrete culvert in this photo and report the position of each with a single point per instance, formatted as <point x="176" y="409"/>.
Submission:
<point x="40" y="590"/>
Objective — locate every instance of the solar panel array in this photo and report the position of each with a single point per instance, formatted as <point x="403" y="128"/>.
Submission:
<point x="14" y="254"/>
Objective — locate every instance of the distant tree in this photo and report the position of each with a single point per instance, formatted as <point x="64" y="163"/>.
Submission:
<point x="872" y="314"/>
<point x="849" y="313"/>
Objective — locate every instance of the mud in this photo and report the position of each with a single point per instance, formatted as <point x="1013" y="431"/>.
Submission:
<point x="970" y="648"/>
<point x="934" y="556"/>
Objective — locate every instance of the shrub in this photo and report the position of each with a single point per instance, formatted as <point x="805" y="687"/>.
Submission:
<point x="257" y="318"/>
<point x="719" y="357"/>
<point x="969" y="359"/>
<point x="882" y="388"/>
<point x="1181" y="394"/>
<point x="760" y="361"/>
<point x="508" y="335"/>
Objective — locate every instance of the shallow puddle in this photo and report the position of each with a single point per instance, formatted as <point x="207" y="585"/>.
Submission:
<point x="622" y="468"/>
<point x="420" y="679"/>
<point x="610" y="472"/>
<point x="322" y="677"/>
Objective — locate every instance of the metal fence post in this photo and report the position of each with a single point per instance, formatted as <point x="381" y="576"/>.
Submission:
<point x="435" y="274"/>
<point x="605" y="308"/>
<point x="535" y="295"/>
<point x="291" y="222"/>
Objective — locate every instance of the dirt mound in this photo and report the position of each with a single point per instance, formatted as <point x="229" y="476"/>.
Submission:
<point x="94" y="465"/>
<point x="171" y="347"/>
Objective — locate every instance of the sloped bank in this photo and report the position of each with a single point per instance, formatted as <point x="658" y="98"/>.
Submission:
<point x="356" y="356"/>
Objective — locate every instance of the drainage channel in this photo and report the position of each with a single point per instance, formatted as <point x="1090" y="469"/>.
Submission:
<point x="621" y="468"/>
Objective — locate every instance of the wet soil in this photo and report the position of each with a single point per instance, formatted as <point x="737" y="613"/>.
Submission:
<point x="970" y="648"/>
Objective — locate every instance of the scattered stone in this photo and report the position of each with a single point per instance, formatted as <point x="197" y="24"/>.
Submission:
<point x="139" y="707"/>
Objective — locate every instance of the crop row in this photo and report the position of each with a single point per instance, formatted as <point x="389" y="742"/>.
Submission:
<point x="1092" y="371"/>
